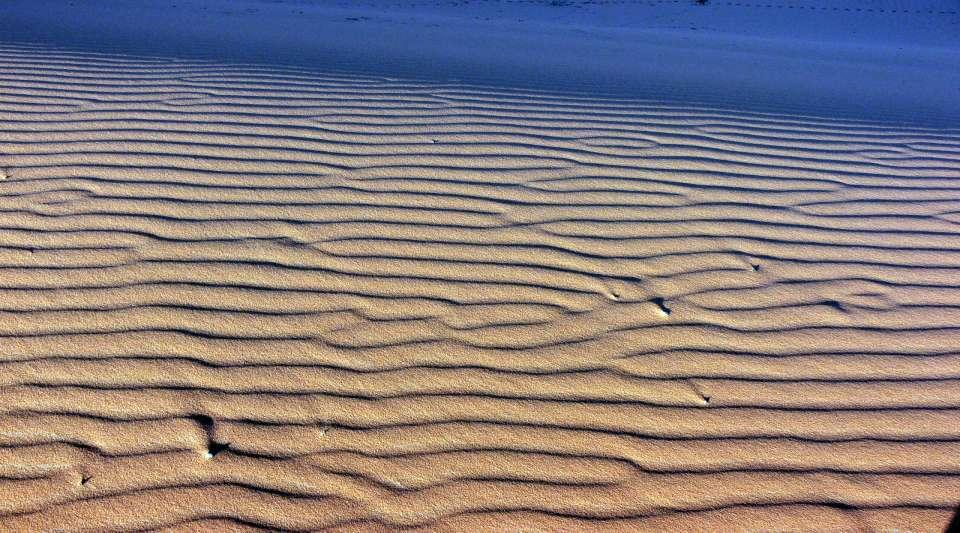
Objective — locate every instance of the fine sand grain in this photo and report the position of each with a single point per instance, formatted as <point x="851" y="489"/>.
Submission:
<point x="238" y="297"/>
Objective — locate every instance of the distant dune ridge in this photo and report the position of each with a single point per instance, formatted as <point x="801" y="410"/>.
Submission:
<point x="237" y="297"/>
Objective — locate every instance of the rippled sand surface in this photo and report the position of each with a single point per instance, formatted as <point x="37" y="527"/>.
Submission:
<point x="237" y="297"/>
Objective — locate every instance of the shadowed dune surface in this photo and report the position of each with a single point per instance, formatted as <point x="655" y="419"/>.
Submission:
<point x="235" y="297"/>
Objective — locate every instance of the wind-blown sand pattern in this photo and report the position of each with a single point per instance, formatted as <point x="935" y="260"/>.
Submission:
<point x="246" y="297"/>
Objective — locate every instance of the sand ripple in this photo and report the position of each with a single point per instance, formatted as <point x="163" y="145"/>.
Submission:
<point x="236" y="297"/>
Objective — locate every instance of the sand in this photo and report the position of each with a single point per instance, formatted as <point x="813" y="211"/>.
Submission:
<point x="238" y="297"/>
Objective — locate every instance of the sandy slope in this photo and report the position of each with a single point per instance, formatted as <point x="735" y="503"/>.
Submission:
<point x="267" y="298"/>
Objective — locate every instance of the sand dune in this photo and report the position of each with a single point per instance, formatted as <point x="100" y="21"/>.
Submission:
<point x="237" y="297"/>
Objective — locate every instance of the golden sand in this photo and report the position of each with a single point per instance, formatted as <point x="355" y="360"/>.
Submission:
<point x="237" y="298"/>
